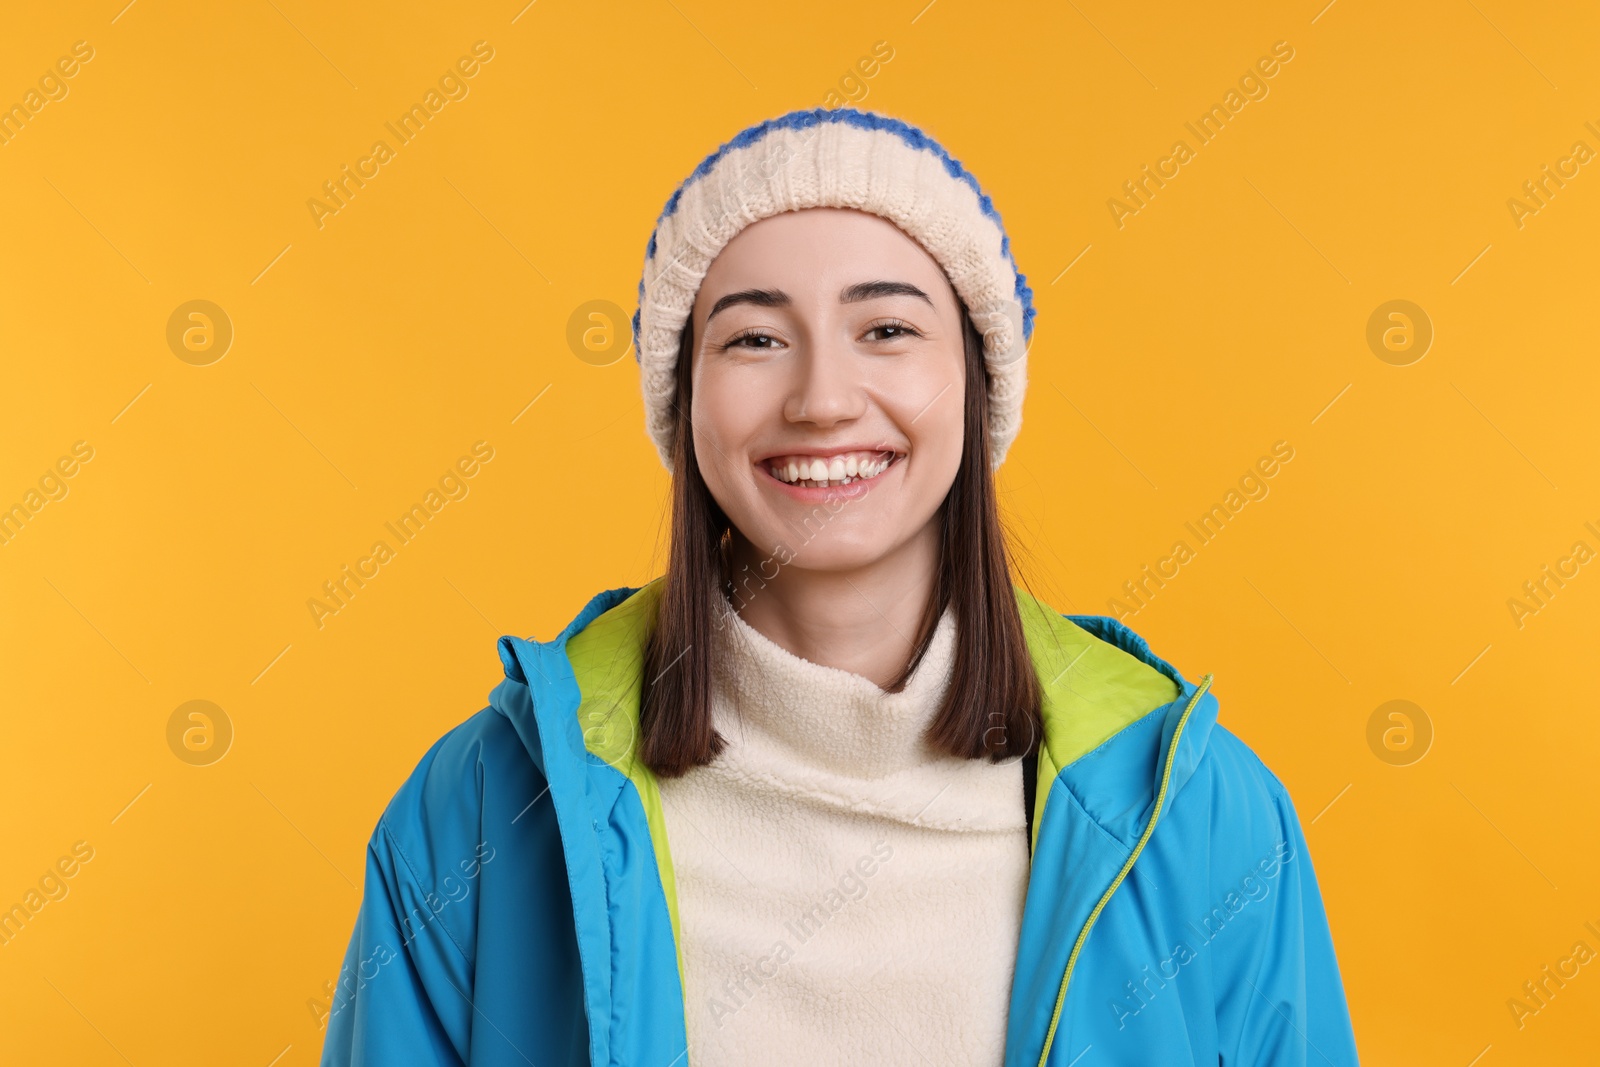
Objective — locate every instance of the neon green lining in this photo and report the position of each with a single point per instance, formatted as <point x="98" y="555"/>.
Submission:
<point x="1092" y="689"/>
<point x="608" y="660"/>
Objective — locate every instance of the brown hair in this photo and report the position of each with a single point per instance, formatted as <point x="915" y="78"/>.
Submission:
<point x="992" y="705"/>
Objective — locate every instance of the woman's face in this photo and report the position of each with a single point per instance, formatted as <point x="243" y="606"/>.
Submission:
<point x="829" y="387"/>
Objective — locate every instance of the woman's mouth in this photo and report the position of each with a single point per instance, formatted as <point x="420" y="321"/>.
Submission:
<point x="823" y="472"/>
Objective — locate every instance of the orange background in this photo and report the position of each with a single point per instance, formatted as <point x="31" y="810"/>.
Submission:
<point x="368" y="354"/>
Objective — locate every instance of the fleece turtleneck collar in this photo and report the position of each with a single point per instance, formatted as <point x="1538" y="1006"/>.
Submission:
<point x="837" y="736"/>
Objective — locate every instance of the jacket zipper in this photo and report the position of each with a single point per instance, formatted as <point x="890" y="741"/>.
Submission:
<point x="1083" y="935"/>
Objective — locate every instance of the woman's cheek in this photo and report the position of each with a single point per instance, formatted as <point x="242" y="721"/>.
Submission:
<point x="936" y="421"/>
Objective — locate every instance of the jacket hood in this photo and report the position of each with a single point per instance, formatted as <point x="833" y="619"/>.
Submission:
<point x="1097" y="675"/>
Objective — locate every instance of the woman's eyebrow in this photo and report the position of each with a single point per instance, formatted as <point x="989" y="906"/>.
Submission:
<point x="871" y="290"/>
<point x="850" y="294"/>
<point x="761" y="297"/>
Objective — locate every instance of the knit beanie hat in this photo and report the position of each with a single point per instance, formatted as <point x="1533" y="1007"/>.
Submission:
<point x="838" y="157"/>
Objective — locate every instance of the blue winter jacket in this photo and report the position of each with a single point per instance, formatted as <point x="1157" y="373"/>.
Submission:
<point x="520" y="909"/>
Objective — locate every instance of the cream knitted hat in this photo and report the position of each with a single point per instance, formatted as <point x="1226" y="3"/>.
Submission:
<point x="838" y="157"/>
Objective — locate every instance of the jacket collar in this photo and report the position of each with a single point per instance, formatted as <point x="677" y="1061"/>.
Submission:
<point x="584" y="687"/>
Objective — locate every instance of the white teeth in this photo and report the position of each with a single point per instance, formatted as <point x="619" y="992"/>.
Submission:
<point x="836" y="470"/>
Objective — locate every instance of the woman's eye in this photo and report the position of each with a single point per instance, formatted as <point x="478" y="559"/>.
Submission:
<point x="740" y="341"/>
<point x="894" y="330"/>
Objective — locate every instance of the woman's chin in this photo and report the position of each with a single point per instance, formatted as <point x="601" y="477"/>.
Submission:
<point x="836" y="555"/>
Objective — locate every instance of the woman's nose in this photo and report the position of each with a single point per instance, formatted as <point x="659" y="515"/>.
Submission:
<point x="827" y="388"/>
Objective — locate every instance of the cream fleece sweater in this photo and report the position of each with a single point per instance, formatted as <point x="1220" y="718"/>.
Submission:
<point x="846" y="895"/>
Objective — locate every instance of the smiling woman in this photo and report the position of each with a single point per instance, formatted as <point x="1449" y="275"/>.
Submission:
<point x="856" y="348"/>
<point x="838" y="664"/>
